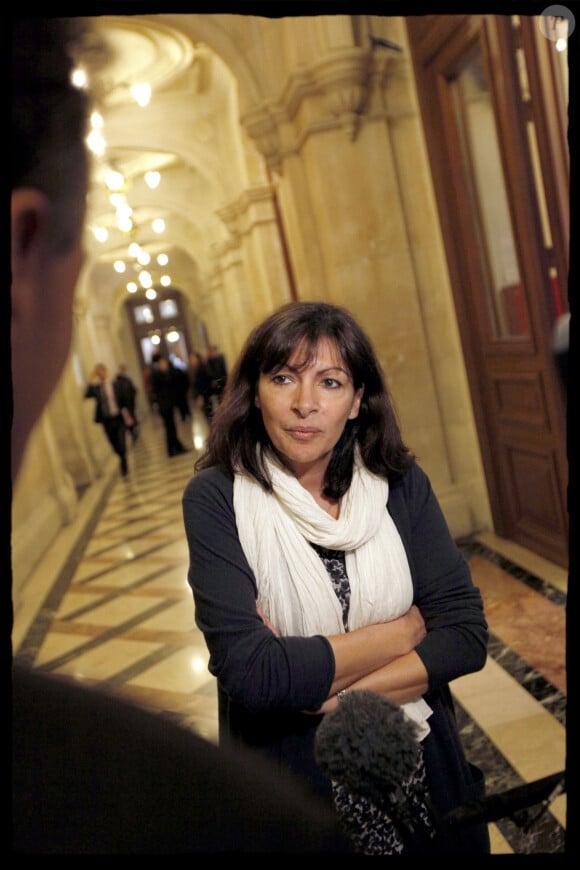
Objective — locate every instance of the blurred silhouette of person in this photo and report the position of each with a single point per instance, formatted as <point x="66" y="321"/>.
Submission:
<point x="126" y="388"/>
<point x="164" y="389"/>
<point x="218" y="372"/>
<point x="181" y="382"/>
<point x="146" y="376"/>
<point x="111" y="411"/>
<point x="200" y="384"/>
<point x="91" y="773"/>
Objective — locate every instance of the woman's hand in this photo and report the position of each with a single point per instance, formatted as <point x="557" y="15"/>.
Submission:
<point x="395" y="673"/>
<point x="404" y="679"/>
<point x="329" y="705"/>
<point x="412" y="628"/>
<point x="361" y="652"/>
<point x="267" y="622"/>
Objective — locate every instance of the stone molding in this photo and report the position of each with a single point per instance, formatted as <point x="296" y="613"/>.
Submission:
<point x="252" y="208"/>
<point x="328" y="94"/>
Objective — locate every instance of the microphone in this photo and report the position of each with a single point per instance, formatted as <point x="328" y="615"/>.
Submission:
<point x="510" y="803"/>
<point x="368" y="746"/>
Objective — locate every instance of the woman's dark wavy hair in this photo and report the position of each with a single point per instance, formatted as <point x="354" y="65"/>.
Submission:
<point x="237" y="426"/>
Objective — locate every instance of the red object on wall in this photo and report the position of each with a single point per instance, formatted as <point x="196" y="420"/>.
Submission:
<point x="556" y="296"/>
<point x="515" y="309"/>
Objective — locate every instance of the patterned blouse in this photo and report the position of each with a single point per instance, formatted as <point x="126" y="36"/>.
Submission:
<point x="370" y="829"/>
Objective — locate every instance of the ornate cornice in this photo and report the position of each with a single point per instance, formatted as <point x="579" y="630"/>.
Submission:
<point x="328" y="94"/>
<point x="253" y="207"/>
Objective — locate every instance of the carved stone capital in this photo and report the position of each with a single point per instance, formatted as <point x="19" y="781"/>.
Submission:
<point x="253" y="206"/>
<point x="344" y="79"/>
<point x="262" y="127"/>
<point x="229" y="215"/>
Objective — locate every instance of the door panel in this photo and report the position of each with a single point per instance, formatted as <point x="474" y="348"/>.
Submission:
<point x="499" y="242"/>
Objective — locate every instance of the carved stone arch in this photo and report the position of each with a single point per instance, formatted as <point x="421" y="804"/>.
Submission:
<point x="219" y="33"/>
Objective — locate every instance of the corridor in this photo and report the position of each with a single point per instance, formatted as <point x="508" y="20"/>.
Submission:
<point x="109" y="605"/>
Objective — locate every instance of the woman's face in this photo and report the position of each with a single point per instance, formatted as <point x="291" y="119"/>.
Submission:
<point x="305" y="409"/>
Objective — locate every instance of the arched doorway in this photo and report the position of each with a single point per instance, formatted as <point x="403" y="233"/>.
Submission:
<point x="159" y="324"/>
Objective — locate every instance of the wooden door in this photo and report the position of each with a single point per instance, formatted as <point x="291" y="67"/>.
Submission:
<point x="503" y="229"/>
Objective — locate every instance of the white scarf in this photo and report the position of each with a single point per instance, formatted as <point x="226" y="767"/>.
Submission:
<point x="294" y="591"/>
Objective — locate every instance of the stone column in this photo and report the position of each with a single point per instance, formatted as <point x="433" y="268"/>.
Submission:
<point x="232" y="301"/>
<point x="252" y="224"/>
<point x="93" y="344"/>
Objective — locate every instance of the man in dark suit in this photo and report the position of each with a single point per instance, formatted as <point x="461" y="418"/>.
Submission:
<point x="218" y="372"/>
<point x="111" y="411"/>
<point x="164" y="390"/>
<point x="128" y="392"/>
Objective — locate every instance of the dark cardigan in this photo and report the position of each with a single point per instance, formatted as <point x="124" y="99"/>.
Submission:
<point x="264" y="681"/>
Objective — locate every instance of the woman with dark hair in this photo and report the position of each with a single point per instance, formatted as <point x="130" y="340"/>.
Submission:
<point x="321" y="563"/>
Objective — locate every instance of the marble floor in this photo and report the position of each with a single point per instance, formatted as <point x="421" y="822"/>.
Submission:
<point x="110" y="606"/>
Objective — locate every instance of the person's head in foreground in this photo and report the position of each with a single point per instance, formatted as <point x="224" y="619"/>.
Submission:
<point x="49" y="181"/>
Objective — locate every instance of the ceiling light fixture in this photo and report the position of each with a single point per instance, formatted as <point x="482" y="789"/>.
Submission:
<point x="96" y="142"/>
<point x="79" y="78"/>
<point x="141" y="93"/>
<point x="114" y="180"/>
<point x="118" y="185"/>
<point x="152" y="179"/>
<point x="101" y="234"/>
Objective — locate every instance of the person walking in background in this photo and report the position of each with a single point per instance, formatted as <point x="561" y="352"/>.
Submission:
<point x="181" y="381"/>
<point x="92" y="773"/>
<point x="200" y="384"/>
<point x="146" y="377"/>
<point x="127" y="390"/>
<point x="321" y="563"/>
<point x="111" y="410"/>
<point x="164" y="391"/>
<point x="218" y="373"/>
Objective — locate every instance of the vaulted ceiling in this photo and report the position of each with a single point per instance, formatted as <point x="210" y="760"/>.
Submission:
<point x="189" y="133"/>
